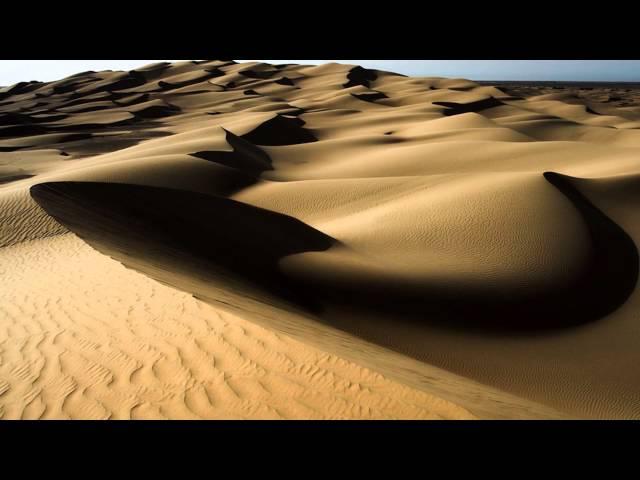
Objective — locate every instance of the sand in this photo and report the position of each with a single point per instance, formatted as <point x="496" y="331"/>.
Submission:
<point x="84" y="338"/>
<point x="214" y="239"/>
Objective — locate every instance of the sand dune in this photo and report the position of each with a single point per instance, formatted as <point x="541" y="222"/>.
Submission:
<point x="475" y="246"/>
<point x="83" y="337"/>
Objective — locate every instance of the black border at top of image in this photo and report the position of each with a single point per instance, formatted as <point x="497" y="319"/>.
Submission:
<point x="431" y="31"/>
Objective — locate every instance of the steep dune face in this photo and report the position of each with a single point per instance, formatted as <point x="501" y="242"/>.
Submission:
<point x="454" y="224"/>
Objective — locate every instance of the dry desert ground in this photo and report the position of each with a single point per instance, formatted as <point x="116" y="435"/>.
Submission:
<point x="214" y="240"/>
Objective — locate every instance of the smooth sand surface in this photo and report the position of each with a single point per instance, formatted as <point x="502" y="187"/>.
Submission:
<point x="474" y="247"/>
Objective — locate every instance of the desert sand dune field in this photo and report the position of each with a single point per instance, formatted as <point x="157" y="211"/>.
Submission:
<point x="212" y="239"/>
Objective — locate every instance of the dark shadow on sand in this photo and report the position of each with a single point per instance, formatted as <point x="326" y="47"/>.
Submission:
<point x="453" y="108"/>
<point x="245" y="156"/>
<point x="360" y="76"/>
<point x="369" y="97"/>
<point x="214" y="236"/>
<point x="280" y="130"/>
<point x="13" y="178"/>
<point x="606" y="283"/>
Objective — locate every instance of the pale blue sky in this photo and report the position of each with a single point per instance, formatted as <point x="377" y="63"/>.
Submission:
<point x="13" y="71"/>
<point x="568" y="70"/>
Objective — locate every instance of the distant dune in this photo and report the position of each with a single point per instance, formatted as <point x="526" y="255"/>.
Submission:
<point x="458" y="250"/>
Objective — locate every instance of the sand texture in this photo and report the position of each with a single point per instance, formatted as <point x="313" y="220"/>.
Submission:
<point x="243" y="240"/>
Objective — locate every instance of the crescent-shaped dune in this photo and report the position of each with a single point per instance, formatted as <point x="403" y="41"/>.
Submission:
<point x="474" y="245"/>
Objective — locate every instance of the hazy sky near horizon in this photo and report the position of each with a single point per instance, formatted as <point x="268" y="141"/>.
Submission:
<point x="13" y="71"/>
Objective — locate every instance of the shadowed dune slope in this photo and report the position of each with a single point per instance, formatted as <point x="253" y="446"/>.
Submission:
<point x="159" y="225"/>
